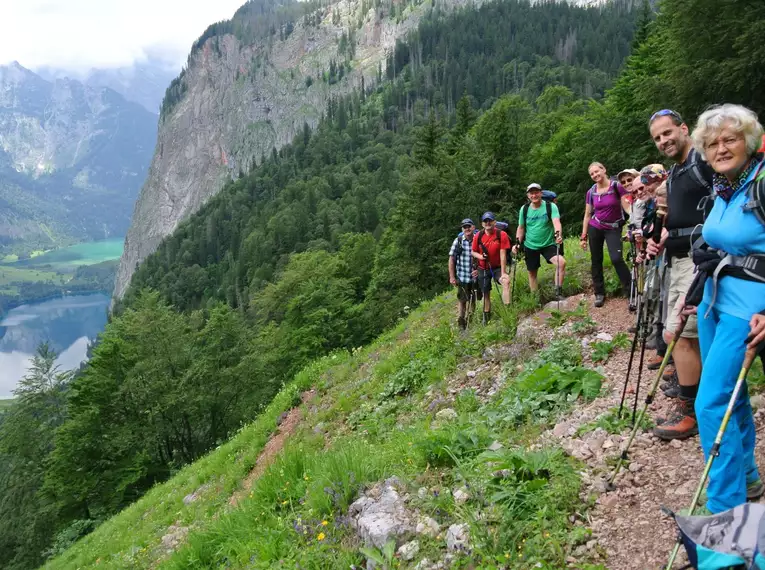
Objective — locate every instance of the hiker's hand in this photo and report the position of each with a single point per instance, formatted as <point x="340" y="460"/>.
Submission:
<point x="757" y="332"/>
<point x="453" y="281"/>
<point x="583" y="243"/>
<point x="558" y="238"/>
<point x="475" y="274"/>
<point x="515" y="249"/>
<point x="653" y="249"/>
<point x="687" y="311"/>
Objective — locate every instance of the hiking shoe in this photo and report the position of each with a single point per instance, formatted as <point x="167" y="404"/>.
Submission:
<point x="681" y="423"/>
<point x="671" y="388"/>
<point x="655" y="362"/>
<point x="632" y="329"/>
<point x="650" y="344"/>
<point x="632" y="308"/>
<point x="462" y="323"/>
<point x="599" y="300"/>
<point x="669" y="372"/>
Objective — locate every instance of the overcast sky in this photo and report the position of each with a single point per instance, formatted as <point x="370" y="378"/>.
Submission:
<point x="79" y="34"/>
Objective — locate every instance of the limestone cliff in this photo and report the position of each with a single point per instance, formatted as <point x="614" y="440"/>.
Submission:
<point x="241" y="100"/>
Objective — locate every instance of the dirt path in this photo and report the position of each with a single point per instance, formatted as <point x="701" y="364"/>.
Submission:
<point x="287" y="425"/>
<point x="628" y="525"/>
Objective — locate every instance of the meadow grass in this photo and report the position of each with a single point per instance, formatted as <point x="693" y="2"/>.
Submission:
<point x="371" y="417"/>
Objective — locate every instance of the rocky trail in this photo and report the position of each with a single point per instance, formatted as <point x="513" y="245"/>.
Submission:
<point x="629" y="529"/>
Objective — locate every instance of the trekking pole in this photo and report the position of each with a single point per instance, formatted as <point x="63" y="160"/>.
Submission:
<point x="649" y="305"/>
<point x="513" y="271"/>
<point x="648" y="401"/>
<point x="557" y="273"/>
<point x="638" y="326"/>
<point x="751" y="354"/>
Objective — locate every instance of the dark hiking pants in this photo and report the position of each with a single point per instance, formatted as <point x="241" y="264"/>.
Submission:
<point x="613" y="239"/>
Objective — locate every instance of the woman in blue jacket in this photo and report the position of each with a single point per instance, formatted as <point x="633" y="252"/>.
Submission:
<point x="727" y="137"/>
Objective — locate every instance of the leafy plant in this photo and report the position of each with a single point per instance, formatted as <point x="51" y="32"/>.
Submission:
<point x="602" y="350"/>
<point x="382" y="557"/>
<point x="445" y="447"/>
<point x="612" y="423"/>
<point x="407" y="379"/>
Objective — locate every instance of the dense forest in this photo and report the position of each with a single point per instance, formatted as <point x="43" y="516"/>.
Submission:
<point x="331" y="239"/>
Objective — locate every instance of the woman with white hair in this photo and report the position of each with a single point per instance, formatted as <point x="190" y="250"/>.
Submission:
<point x="728" y="137"/>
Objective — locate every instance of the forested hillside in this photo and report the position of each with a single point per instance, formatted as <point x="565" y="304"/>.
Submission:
<point x="337" y="235"/>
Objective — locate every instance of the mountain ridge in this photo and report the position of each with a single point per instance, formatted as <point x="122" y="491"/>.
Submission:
<point x="72" y="158"/>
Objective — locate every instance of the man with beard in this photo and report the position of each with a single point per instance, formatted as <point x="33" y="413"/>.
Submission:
<point x="689" y="186"/>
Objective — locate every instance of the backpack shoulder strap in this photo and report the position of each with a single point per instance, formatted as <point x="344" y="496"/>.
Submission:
<point x="756" y="195"/>
<point x="525" y="214"/>
<point x="696" y="170"/>
<point x="548" y="207"/>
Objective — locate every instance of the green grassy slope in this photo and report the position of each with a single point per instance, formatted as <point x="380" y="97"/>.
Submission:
<point x="368" y="416"/>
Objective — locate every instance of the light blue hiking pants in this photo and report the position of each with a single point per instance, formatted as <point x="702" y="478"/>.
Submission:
<point x="721" y="337"/>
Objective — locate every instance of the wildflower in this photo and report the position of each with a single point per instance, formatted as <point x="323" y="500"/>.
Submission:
<point x="507" y="555"/>
<point x="285" y="502"/>
<point x="324" y="523"/>
<point x="320" y="536"/>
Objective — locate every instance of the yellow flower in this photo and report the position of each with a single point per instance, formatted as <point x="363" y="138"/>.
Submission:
<point x="321" y="536"/>
<point x="285" y="502"/>
<point x="324" y="523"/>
<point x="507" y="555"/>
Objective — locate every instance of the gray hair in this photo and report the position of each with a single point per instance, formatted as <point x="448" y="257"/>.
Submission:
<point x="739" y="118"/>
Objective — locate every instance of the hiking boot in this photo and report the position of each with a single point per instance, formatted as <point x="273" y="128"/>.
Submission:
<point x="486" y="317"/>
<point x="632" y="308"/>
<point x="650" y="344"/>
<point x="632" y="329"/>
<point x="671" y="388"/>
<point x="681" y="423"/>
<point x="655" y="362"/>
<point x="599" y="300"/>
<point x="462" y="323"/>
<point x="669" y="372"/>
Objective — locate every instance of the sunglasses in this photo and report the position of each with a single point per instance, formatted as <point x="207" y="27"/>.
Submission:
<point x="666" y="113"/>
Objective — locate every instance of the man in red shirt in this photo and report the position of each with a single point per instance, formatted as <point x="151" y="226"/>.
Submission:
<point x="490" y="249"/>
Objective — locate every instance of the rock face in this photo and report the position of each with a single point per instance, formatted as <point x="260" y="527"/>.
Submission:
<point x="242" y="100"/>
<point x="72" y="157"/>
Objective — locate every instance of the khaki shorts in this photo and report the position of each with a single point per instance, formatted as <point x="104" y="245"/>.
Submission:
<point x="680" y="278"/>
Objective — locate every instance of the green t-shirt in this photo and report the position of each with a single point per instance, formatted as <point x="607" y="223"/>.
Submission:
<point x="539" y="231"/>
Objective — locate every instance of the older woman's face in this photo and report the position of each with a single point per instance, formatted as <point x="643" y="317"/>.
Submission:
<point x="726" y="152"/>
<point x="597" y="172"/>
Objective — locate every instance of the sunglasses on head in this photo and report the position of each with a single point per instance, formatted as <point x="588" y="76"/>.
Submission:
<point x="648" y="179"/>
<point x="667" y="113"/>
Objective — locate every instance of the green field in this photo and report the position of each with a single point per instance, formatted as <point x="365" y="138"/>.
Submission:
<point x="13" y="274"/>
<point x="68" y="258"/>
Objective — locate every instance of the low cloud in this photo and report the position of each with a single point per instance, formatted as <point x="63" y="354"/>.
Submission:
<point x="80" y="34"/>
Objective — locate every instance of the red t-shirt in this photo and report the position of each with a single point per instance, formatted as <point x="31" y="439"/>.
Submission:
<point x="493" y="246"/>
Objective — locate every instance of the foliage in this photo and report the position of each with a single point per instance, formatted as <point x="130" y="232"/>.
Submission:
<point x="602" y="350"/>
<point x="612" y="423"/>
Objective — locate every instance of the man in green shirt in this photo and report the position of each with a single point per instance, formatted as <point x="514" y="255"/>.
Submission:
<point x="540" y="234"/>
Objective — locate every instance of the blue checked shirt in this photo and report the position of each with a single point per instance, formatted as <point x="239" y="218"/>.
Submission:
<point x="463" y="262"/>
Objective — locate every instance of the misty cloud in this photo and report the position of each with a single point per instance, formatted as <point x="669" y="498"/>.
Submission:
<point x="80" y="34"/>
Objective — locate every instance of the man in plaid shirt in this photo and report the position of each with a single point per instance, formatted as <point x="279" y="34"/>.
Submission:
<point x="461" y="272"/>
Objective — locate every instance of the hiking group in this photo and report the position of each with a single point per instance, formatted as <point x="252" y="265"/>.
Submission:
<point x="478" y="260"/>
<point x="696" y="239"/>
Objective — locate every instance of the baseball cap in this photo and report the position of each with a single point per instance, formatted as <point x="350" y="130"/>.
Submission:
<point x="467" y="222"/>
<point x="487" y="216"/>
<point x="533" y="186"/>
<point x="628" y="171"/>
<point x="653" y="172"/>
